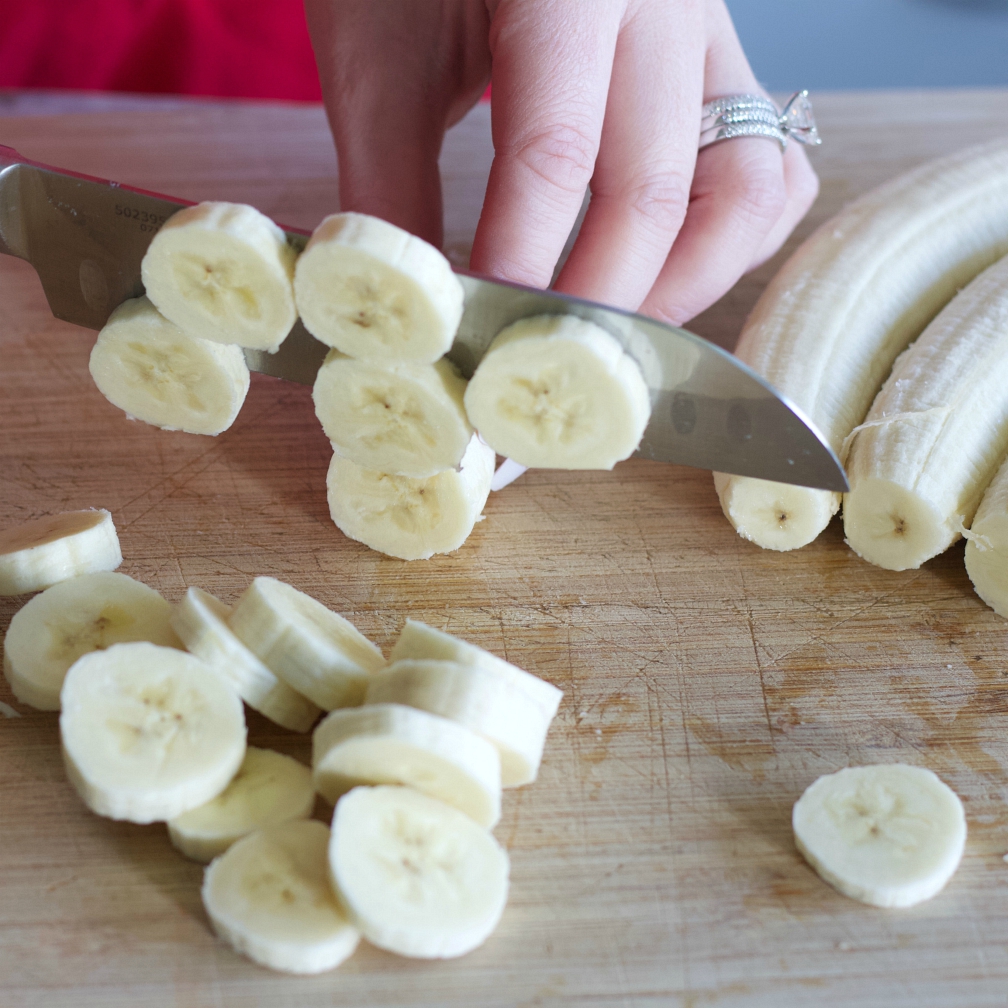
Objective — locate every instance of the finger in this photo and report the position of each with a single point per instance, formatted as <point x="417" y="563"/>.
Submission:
<point x="640" y="189"/>
<point x="802" y="185"/>
<point x="551" y="66"/>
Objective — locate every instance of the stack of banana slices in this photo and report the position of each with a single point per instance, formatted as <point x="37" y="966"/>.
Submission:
<point x="413" y="754"/>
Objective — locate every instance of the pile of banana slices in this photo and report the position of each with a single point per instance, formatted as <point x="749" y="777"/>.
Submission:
<point x="410" y="475"/>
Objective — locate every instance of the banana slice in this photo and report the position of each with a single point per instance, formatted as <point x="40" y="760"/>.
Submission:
<point x="890" y="835"/>
<point x="200" y="620"/>
<point x="411" y="519"/>
<point x="155" y="372"/>
<point x="268" y="789"/>
<point x="90" y="612"/>
<point x="42" y="552"/>
<point x="417" y="876"/>
<point x="418" y="640"/>
<point x="393" y="744"/>
<point x="987" y="545"/>
<point x="557" y="392"/>
<point x="406" y="419"/>
<point x="314" y="650"/>
<point x="485" y="702"/>
<point x="223" y="272"/>
<point x="270" y="899"/>
<point x="149" y="732"/>
<point x="377" y="292"/>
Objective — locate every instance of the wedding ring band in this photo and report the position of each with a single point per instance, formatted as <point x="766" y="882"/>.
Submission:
<point x="749" y="115"/>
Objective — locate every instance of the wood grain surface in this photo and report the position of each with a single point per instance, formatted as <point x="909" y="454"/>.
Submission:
<point x="707" y="682"/>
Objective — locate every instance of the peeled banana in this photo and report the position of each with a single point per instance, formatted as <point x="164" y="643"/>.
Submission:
<point x="987" y="545"/>
<point x="39" y="553"/>
<point x="558" y="392"/>
<point x="935" y="434"/>
<point x="155" y="372"/>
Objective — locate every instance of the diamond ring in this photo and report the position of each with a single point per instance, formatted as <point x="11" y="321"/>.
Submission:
<point x="753" y="115"/>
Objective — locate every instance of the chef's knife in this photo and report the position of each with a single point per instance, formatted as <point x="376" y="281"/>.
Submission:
<point x="86" y="238"/>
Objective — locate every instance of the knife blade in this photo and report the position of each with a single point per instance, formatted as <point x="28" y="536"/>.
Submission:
<point x="86" y="237"/>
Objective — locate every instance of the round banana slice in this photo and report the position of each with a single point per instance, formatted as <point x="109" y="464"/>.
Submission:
<point x="314" y="650"/>
<point x="406" y="419"/>
<point x="411" y="519"/>
<point x="486" y="703"/>
<point x="268" y="789"/>
<point x="223" y="272"/>
<point x="200" y="620"/>
<point x="377" y="292"/>
<point x="417" y="876"/>
<point x="888" y="835"/>
<point x="149" y="732"/>
<point x="42" y="552"/>
<point x="87" y="613"/>
<point x="155" y="372"/>
<point x="418" y="640"/>
<point x="393" y="744"/>
<point x="270" y="899"/>
<point x="557" y="392"/>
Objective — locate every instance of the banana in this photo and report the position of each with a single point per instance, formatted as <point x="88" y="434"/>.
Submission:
<point x="405" y="419"/>
<point x="393" y="744"/>
<point x="149" y="732"/>
<point x="418" y="640"/>
<point x="376" y="292"/>
<point x="155" y="372"/>
<point x="485" y="702"/>
<point x="39" y="553"/>
<point x="890" y="836"/>
<point x="935" y="434"/>
<point x="417" y="876"/>
<point x="269" y="788"/>
<point x="828" y="327"/>
<point x="987" y="545"/>
<point x="269" y="897"/>
<point x="314" y="650"/>
<point x="408" y="518"/>
<point x="87" y="613"/>
<point x="223" y="272"/>
<point x="200" y="620"/>
<point x="557" y="392"/>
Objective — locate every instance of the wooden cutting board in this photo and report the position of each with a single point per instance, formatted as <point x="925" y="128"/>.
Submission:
<point x="707" y="682"/>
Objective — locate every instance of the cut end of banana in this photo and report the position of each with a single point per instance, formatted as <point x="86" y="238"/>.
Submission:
<point x="987" y="562"/>
<point x="223" y="272"/>
<point x="892" y="526"/>
<point x="40" y="553"/>
<point x="411" y="519"/>
<point x="418" y="877"/>
<point x="776" y="516"/>
<point x="155" y="372"/>
<point x="269" y="898"/>
<point x="889" y="835"/>
<point x="558" y="392"/>
<point x="377" y="292"/>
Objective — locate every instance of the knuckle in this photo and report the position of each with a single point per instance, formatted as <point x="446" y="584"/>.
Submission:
<point x="760" y="194"/>
<point x="562" y="155"/>
<point x="662" y="201"/>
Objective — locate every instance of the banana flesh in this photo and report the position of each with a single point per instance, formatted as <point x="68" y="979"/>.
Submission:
<point x="404" y="419"/>
<point x="890" y="835"/>
<point x="39" y="553"/>
<point x="987" y="545"/>
<point x="270" y="899"/>
<point x="155" y="372"/>
<point x="314" y="650"/>
<point x="935" y="434"/>
<point x="200" y="620"/>
<point x="408" y="518"/>
<point x="828" y="327"/>
<point x="269" y="788"/>
<point x="148" y="732"/>
<point x="417" y="876"/>
<point x="558" y="392"/>
<point x="376" y="292"/>
<point x="87" y="613"/>
<point x="393" y="744"/>
<point x="223" y="272"/>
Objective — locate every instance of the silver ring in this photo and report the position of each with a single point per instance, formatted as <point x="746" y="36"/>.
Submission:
<point x="753" y="115"/>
